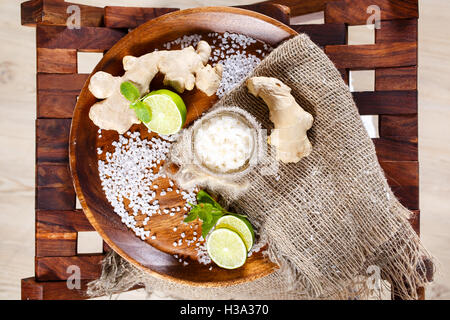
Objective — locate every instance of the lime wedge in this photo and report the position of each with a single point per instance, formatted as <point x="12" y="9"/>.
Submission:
<point x="168" y="111"/>
<point x="241" y="226"/>
<point x="226" y="248"/>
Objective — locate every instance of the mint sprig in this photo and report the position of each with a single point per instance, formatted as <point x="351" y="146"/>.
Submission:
<point x="131" y="93"/>
<point x="208" y="211"/>
<point x="142" y="110"/>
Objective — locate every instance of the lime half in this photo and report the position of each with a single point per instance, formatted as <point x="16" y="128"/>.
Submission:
<point x="168" y="111"/>
<point x="226" y="248"/>
<point x="239" y="225"/>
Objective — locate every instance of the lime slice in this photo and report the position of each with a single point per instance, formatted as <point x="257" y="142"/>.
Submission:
<point x="226" y="248"/>
<point x="240" y="226"/>
<point x="168" y="111"/>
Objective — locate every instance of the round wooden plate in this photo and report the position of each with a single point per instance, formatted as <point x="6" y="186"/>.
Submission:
<point x="157" y="257"/>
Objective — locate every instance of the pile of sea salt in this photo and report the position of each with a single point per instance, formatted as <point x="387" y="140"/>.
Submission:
<point x="130" y="171"/>
<point x="230" y="50"/>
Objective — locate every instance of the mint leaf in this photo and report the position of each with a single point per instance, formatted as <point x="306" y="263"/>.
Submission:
<point x="142" y="110"/>
<point x="208" y="211"/>
<point x="203" y="197"/>
<point x="129" y="91"/>
<point x="191" y="217"/>
<point x="206" y="228"/>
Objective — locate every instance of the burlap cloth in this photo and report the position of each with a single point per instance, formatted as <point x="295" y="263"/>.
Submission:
<point x="328" y="218"/>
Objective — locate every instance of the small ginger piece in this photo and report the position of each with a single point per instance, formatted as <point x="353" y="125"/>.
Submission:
<point x="182" y="69"/>
<point x="208" y="79"/>
<point x="290" y="121"/>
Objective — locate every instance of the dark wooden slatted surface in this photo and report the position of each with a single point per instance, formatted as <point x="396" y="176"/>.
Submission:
<point x="355" y="12"/>
<point x="56" y="60"/>
<point x="398" y="125"/>
<point x="51" y="290"/>
<point x="405" y="148"/>
<point x="299" y="8"/>
<point x="404" y="78"/>
<point x="393" y="56"/>
<point x="57" y="94"/>
<point x="60" y="221"/>
<point x="55" y="268"/>
<point x="386" y="102"/>
<point x="55" y="12"/>
<point x="370" y="56"/>
<point x="324" y="34"/>
<point x="95" y="39"/>
<point x="131" y="17"/>
<point x="277" y="11"/>
<point x="394" y="30"/>
<point x="52" y="141"/>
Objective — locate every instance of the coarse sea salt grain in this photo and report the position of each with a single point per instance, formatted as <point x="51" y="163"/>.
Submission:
<point x="235" y="69"/>
<point x="230" y="50"/>
<point x="125" y="174"/>
<point x="224" y="143"/>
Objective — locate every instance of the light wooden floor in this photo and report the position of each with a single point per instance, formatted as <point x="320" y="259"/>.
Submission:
<point x="17" y="114"/>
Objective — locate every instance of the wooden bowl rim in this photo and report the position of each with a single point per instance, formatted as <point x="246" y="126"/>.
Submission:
<point x="72" y="151"/>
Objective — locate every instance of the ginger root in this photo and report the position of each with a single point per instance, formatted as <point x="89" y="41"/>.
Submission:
<point x="208" y="79"/>
<point x="182" y="69"/>
<point x="290" y="120"/>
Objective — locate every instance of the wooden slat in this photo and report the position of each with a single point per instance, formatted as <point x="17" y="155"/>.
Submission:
<point x="31" y="290"/>
<point x="65" y="84"/>
<point x="54" y="290"/>
<point x="131" y="17"/>
<point x="55" y="106"/>
<point x="57" y="94"/>
<point x="408" y="196"/>
<point x="324" y="34"/>
<point x="54" y="187"/>
<point x="51" y="290"/>
<point x="396" y="148"/>
<point x="53" y="176"/>
<point x="93" y="39"/>
<point x="355" y="12"/>
<point x="55" y="268"/>
<point x="62" y="221"/>
<point x="56" y="60"/>
<point x="403" y="178"/>
<point x="397" y="30"/>
<point x="371" y="56"/>
<point x="398" y="125"/>
<point x="52" y="140"/>
<point x="106" y="247"/>
<point x="414" y="220"/>
<point x="55" y="198"/>
<point x="54" y="12"/>
<point x="345" y="75"/>
<point x="386" y="102"/>
<point x="401" y="173"/>
<point x="56" y="244"/>
<point x="299" y="8"/>
<point x="277" y="11"/>
<point x="31" y="12"/>
<point x="396" y="78"/>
